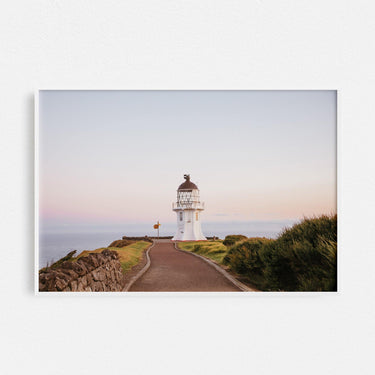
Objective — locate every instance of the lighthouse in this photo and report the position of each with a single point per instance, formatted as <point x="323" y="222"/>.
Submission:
<point x="188" y="209"/>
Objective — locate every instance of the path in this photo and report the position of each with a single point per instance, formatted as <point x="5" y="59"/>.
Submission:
<point x="175" y="271"/>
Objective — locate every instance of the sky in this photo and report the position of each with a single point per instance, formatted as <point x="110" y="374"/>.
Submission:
<point x="110" y="158"/>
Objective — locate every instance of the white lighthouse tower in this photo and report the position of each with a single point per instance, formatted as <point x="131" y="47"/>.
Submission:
<point x="188" y="209"/>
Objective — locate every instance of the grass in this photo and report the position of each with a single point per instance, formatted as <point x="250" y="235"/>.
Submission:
<point x="231" y="239"/>
<point x="302" y="258"/>
<point x="214" y="250"/>
<point x="129" y="255"/>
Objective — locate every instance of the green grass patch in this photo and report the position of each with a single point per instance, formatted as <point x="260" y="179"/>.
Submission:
<point x="129" y="255"/>
<point x="214" y="250"/>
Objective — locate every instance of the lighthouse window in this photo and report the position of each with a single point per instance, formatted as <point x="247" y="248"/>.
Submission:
<point x="180" y="216"/>
<point x="196" y="216"/>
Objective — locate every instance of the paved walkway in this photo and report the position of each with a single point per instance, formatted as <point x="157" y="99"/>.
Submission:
<point x="175" y="271"/>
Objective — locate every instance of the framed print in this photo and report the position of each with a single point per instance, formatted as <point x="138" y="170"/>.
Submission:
<point x="186" y="191"/>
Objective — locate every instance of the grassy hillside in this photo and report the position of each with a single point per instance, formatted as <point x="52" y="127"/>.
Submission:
<point x="129" y="255"/>
<point x="232" y="239"/>
<point x="214" y="250"/>
<point x="302" y="258"/>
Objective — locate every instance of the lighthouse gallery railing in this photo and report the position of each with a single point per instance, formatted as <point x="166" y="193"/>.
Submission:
<point x="187" y="205"/>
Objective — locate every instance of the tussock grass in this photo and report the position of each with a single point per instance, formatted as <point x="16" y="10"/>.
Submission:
<point x="302" y="258"/>
<point x="231" y="239"/>
<point x="132" y="254"/>
<point x="214" y="250"/>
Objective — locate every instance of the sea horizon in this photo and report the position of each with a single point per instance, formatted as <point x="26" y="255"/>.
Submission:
<point x="57" y="241"/>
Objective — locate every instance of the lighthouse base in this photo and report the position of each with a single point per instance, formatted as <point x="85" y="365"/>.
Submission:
<point x="188" y="226"/>
<point x="179" y="240"/>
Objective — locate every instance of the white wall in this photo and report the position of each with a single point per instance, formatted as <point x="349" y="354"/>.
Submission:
<point x="196" y="44"/>
<point x="188" y="229"/>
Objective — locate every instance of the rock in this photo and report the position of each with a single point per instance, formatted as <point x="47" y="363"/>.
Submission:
<point x="78" y="267"/>
<point x="60" y="284"/>
<point x="95" y="272"/>
<point x="70" y="273"/>
<point x="67" y="265"/>
<point x="97" y="287"/>
<point x="83" y="268"/>
<point x="87" y="263"/>
<point x="110" y="254"/>
<point x="98" y="275"/>
<point x="113" y="276"/>
<point x="83" y="280"/>
<point x="101" y="259"/>
<point x="74" y="285"/>
<point x="119" y="275"/>
<point x="93" y="260"/>
<point x="80" y="287"/>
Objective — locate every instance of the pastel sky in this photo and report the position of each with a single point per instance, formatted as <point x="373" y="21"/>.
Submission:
<point x="117" y="157"/>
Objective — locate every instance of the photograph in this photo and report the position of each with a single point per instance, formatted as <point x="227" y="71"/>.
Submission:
<point x="186" y="191"/>
<point x="187" y="187"/>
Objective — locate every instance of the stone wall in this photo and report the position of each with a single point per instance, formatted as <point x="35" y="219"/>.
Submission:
<point x="97" y="272"/>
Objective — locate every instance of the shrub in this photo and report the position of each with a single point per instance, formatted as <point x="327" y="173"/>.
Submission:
<point x="244" y="258"/>
<point x="233" y="238"/>
<point x="312" y="230"/>
<point x="245" y="255"/>
<point x="302" y="258"/>
<point x="278" y="269"/>
<point x="309" y="249"/>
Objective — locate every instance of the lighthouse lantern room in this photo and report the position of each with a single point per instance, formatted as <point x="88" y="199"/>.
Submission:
<point x="188" y="209"/>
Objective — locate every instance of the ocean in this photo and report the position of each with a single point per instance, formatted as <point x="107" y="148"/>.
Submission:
<point x="55" y="244"/>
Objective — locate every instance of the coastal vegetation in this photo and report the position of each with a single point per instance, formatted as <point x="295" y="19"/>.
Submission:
<point x="68" y="257"/>
<point x="233" y="238"/>
<point x="214" y="250"/>
<point x="301" y="258"/>
<point x="129" y="255"/>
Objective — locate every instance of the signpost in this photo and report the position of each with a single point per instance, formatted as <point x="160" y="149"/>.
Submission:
<point x="156" y="226"/>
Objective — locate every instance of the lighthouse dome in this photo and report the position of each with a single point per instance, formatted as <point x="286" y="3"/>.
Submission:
<point x="187" y="185"/>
